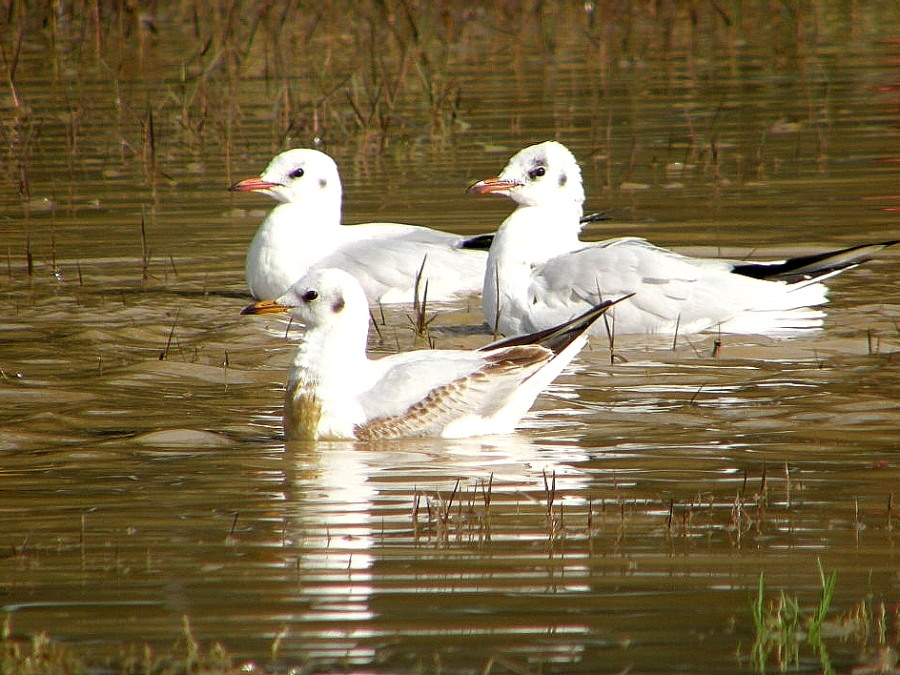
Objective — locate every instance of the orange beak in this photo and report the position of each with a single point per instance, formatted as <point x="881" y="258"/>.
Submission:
<point x="265" y="307"/>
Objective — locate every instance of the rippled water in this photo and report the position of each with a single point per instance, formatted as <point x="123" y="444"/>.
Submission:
<point x="626" y="526"/>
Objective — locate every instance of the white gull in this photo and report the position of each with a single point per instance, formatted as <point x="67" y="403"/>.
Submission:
<point x="539" y="272"/>
<point x="304" y="232"/>
<point x="334" y="391"/>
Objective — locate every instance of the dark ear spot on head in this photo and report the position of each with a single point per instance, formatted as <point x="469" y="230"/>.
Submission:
<point x="322" y="183"/>
<point x="562" y="179"/>
<point x="338" y="304"/>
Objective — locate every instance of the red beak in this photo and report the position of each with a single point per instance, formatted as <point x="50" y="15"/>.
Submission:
<point x="252" y="185"/>
<point x="489" y="185"/>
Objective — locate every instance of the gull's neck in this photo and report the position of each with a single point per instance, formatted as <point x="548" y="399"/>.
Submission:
<point x="291" y="238"/>
<point x="302" y="232"/>
<point x="327" y="373"/>
<point x="322" y="214"/>
<point x="530" y="236"/>
<point x="534" y="234"/>
<point x="331" y="355"/>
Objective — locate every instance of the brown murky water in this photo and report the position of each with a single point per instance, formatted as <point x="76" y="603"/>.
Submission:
<point x="626" y="526"/>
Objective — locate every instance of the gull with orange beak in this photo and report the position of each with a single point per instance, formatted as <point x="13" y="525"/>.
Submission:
<point x="334" y="391"/>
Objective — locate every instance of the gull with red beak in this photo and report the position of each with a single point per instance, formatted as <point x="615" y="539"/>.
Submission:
<point x="539" y="273"/>
<point x="304" y="232"/>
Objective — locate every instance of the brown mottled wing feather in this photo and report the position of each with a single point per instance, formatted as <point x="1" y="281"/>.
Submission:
<point x="478" y="392"/>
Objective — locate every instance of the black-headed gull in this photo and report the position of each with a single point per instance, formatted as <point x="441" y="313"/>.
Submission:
<point x="304" y="232"/>
<point x="539" y="273"/>
<point x="334" y="391"/>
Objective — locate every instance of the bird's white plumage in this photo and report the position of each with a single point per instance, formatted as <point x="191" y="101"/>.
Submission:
<point x="539" y="273"/>
<point x="334" y="391"/>
<point x="304" y="232"/>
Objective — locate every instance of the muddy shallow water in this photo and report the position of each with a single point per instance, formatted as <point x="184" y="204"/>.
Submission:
<point x="145" y="484"/>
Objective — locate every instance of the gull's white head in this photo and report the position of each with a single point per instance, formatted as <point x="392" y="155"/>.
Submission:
<point x="323" y="297"/>
<point x="545" y="174"/>
<point x="297" y="176"/>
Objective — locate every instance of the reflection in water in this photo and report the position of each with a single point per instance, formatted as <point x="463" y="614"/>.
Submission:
<point x="353" y="507"/>
<point x="330" y="522"/>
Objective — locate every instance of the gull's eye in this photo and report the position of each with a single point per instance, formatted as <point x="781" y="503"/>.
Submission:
<point x="537" y="173"/>
<point x="296" y="173"/>
<point x="309" y="296"/>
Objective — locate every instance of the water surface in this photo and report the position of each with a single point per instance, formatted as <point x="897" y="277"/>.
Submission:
<point x="625" y="526"/>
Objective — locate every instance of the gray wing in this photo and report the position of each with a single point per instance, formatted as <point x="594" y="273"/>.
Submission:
<point x="386" y="263"/>
<point x="669" y="289"/>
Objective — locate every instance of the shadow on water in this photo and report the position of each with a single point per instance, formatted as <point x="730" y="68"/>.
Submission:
<point x="669" y="506"/>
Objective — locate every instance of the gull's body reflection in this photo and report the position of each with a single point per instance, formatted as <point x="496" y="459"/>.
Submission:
<point x="372" y="565"/>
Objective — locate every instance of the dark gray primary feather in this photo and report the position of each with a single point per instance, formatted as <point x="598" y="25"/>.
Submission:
<point x="559" y="337"/>
<point x="811" y="266"/>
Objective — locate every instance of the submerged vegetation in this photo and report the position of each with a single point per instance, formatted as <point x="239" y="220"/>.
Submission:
<point x="40" y="655"/>
<point x="785" y="631"/>
<point x="157" y="95"/>
<point x="784" y="628"/>
<point x="154" y="96"/>
<point x="376" y="74"/>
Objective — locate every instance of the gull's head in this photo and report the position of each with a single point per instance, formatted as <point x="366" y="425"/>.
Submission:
<point x="545" y="174"/>
<point x="322" y="297"/>
<point x="296" y="176"/>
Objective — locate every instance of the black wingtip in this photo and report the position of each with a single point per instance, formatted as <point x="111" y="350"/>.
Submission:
<point x="559" y="337"/>
<point x="806" y="267"/>
<point x="598" y="217"/>
<point x="480" y="242"/>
